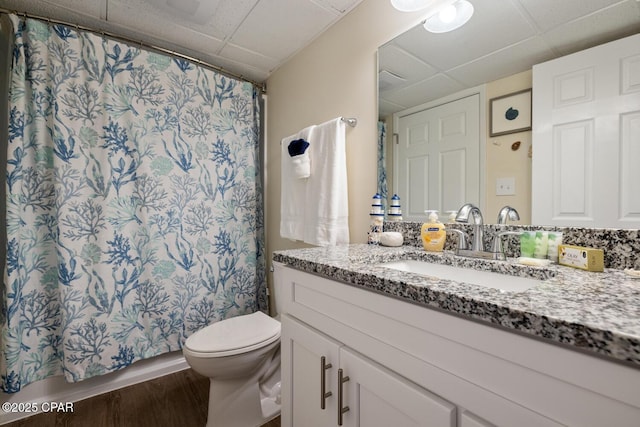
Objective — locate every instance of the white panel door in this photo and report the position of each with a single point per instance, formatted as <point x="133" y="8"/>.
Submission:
<point x="438" y="157"/>
<point x="586" y="138"/>
<point x="377" y="397"/>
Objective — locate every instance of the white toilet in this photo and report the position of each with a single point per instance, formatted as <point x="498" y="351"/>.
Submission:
<point x="241" y="357"/>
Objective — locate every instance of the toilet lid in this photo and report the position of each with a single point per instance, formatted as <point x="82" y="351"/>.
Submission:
<point x="235" y="335"/>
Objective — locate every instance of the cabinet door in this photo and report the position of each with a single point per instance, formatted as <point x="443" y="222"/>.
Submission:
<point x="378" y="397"/>
<point x="467" y="419"/>
<point x="302" y="351"/>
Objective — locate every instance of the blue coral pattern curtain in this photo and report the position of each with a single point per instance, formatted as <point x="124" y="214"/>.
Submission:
<point x="134" y="210"/>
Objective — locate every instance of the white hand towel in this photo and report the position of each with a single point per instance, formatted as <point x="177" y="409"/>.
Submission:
<point x="299" y="158"/>
<point x="301" y="165"/>
<point x="292" y="200"/>
<point x="326" y="219"/>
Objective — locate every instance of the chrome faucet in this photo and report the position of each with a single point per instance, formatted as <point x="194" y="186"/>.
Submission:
<point x="477" y="245"/>
<point x="463" y="216"/>
<point x="508" y="212"/>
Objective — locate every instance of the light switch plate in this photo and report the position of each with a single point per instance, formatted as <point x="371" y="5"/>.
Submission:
<point x="506" y="186"/>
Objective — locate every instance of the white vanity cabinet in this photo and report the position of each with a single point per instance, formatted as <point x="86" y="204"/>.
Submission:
<point x="408" y="365"/>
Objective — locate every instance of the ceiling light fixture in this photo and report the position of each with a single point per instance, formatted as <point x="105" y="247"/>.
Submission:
<point x="449" y="17"/>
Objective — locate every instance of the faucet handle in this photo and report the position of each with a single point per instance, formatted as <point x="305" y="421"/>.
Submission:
<point x="462" y="238"/>
<point x="496" y="247"/>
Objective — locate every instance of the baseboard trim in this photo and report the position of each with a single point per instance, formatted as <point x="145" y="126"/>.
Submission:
<point x="56" y="389"/>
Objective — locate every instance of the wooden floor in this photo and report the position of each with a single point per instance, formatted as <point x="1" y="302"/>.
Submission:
<point x="176" y="400"/>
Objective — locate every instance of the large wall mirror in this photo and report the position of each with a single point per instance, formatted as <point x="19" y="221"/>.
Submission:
<point x="491" y="55"/>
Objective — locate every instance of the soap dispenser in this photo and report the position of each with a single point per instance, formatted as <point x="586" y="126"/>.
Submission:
<point x="433" y="233"/>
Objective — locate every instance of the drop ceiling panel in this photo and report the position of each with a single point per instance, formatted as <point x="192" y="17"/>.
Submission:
<point x="404" y="65"/>
<point x="491" y="28"/>
<point x="123" y="14"/>
<point x="244" y="56"/>
<point x="192" y="11"/>
<point x="158" y="17"/>
<point x="62" y="9"/>
<point x="291" y="26"/>
<point x="217" y="18"/>
<point x="435" y="87"/>
<point x="241" y="69"/>
<point x="94" y="8"/>
<point x="512" y="60"/>
<point x="337" y="5"/>
<point x="549" y="14"/>
<point x="229" y="16"/>
<point x="608" y="25"/>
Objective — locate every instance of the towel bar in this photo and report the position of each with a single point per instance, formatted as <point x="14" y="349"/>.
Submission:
<point x="351" y="121"/>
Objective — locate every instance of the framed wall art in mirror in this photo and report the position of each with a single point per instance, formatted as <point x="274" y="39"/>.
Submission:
<point x="510" y="113"/>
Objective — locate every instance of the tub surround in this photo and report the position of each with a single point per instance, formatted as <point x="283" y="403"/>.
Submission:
<point x="598" y="313"/>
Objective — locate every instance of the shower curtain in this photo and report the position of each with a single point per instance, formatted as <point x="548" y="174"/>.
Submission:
<point x="134" y="204"/>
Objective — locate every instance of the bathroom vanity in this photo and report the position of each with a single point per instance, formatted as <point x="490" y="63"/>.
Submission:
<point x="365" y="344"/>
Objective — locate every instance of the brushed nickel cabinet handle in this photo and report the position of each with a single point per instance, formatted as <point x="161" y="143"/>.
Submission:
<point x="323" y="382"/>
<point x="341" y="380"/>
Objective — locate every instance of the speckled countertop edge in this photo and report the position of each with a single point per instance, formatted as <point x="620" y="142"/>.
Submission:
<point x="593" y="312"/>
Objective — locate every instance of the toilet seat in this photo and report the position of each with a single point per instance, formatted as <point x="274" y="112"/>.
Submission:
<point x="235" y="335"/>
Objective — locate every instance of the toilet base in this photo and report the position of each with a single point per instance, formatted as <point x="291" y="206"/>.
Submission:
<point x="246" y="402"/>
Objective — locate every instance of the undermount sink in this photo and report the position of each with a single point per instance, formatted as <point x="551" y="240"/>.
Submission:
<point x="487" y="279"/>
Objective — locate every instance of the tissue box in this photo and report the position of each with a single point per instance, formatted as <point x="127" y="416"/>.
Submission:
<point x="589" y="259"/>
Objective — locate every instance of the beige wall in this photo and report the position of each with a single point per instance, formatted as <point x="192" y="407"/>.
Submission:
<point x="502" y="161"/>
<point x="335" y="76"/>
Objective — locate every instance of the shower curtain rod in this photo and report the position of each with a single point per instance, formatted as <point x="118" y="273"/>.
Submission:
<point x="140" y="43"/>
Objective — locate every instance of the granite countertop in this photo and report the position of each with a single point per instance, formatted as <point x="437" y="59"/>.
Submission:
<point x="595" y="312"/>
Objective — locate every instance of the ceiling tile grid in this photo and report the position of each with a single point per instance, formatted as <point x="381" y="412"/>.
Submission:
<point x="253" y="38"/>
<point x="503" y="37"/>
<point x="250" y="38"/>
